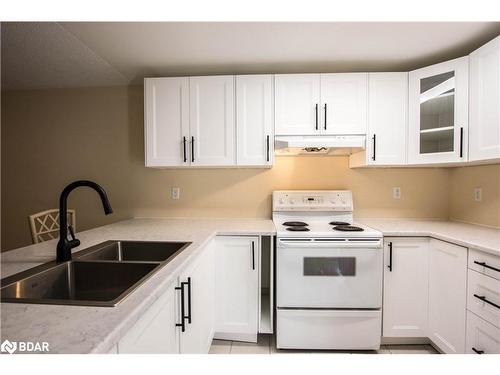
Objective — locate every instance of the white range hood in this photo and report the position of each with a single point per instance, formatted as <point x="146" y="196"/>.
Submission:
<point x="319" y="144"/>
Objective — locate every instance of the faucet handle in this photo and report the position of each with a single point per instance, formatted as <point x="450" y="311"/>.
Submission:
<point x="71" y="232"/>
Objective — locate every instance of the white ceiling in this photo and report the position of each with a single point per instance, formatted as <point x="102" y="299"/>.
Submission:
<point x="81" y="54"/>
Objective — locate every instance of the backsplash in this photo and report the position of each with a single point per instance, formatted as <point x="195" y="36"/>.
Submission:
<point x="463" y="205"/>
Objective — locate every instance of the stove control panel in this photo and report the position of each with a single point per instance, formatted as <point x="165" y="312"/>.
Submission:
<point x="306" y="200"/>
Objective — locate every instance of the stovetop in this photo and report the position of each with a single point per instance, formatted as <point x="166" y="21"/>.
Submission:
<point x="322" y="228"/>
<point x="316" y="213"/>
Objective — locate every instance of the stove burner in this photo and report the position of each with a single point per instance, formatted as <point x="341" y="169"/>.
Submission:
<point x="295" y="224"/>
<point x="298" y="229"/>
<point x="339" y="223"/>
<point x="348" y="228"/>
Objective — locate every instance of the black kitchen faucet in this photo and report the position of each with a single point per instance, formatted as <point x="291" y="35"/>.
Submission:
<point x="64" y="245"/>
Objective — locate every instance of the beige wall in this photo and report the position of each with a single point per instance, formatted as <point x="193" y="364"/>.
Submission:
<point x="463" y="207"/>
<point x="51" y="137"/>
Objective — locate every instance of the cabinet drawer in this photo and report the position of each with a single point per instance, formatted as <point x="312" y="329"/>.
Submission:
<point x="490" y="263"/>
<point x="481" y="336"/>
<point x="328" y="329"/>
<point x="488" y="289"/>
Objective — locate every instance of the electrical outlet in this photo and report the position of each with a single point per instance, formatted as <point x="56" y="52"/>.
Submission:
<point x="396" y="192"/>
<point x="478" y="194"/>
<point x="175" y="193"/>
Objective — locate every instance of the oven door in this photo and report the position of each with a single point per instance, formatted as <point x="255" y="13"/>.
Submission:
<point x="329" y="273"/>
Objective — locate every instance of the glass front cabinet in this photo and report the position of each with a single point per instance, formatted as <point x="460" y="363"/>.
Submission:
<point x="438" y="113"/>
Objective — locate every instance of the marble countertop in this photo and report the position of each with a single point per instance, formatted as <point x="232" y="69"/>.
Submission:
<point x="83" y="329"/>
<point x="469" y="235"/>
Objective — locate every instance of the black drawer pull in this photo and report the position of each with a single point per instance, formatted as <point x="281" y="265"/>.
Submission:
<point x="374" y="146"/>
<point x="253" y="255"/>
<point x="390" y="257"/>
<point x="487" y="266"/>
<point x="478" y="351"/>
<point x="184" y="145"/>
<point x="267" y="146"/>
<point x="192" y="149"/>
<point x="181" y="324"/>
<point x="461" y="142"/>
<point x="325" y="115"/>
<point x="483" y="298"/>
<point x="316" y="116"/>
<point x="188" y="317"/>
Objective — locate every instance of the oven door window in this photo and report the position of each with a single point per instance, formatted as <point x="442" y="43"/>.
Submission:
<point x="329" y="266"/>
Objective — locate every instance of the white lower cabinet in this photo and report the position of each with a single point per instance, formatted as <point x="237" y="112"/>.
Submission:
<point x="482" y="336"/>
<point x="160" y="330"/>
<point x="406" y="287"/>
<point x="155" y="332"/>
<point x="447" y="296"/>
<point x="199" y="303"/>
<point x="237" y="287"/>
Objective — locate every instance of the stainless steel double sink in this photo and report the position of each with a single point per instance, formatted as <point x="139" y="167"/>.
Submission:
<point x="101" y="275"/>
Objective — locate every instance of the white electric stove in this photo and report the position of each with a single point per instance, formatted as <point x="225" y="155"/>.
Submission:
<point x="329" y="273"/>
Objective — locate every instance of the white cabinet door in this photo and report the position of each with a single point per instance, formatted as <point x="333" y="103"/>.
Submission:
<point x="438" y="113"/>
<point x="297" y="100"/>
<point x="387" y="118"/>
<point x="406" y="290"/>
<point x="447" y="296"/>
<point x="343" y="103"/>
<point x="211" y="120"/>
<point x="166" y="119"/>
<point x="156" y="330"/>
<point x="484" y="102"/>
<point x="199" y="303"/>
<point x="254" y="120"/>
<point x="237" y="288"/>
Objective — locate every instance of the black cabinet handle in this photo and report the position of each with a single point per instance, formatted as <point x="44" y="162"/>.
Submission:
<point x="253" y="255"/>
<point x="181" y="324"/>
<point x="483" y="298"/>
<point x="184" y="145"/>
<point x="374" y="145"/>
<point x="316" y="116"/>
<point x="487" y="266"/>
<point x="192" y="149"/>
<point x="189" y="300"/>
<point x="267" y="145"/>
<point x="478" y="351"/>
<point x="325" y="116"/>
<point x="390" y="257"/>
<point x="461" y="142"/>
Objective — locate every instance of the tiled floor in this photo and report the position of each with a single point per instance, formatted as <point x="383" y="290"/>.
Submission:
<point x="266" y="345"/>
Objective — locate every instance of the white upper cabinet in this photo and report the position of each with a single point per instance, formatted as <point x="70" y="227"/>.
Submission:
<point x="387" y="121"/>
<point x="254" y="120"/>
<point x="313" y="104"/>
<point x="297" y="104"/>
<point x="211" y="120"/>
<point x="484" y="102"/>
<point x="438" y="113"/>
<point x="343" y="103"/>
<point x="166" y="113"/>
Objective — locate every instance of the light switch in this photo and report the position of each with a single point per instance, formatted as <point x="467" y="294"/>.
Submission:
<point x="396" y="192"/>
<point x="478" y="194"/>
<point x="176" y="192"/>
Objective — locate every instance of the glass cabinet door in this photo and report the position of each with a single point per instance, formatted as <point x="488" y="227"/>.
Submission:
<point x="438" y="113"/>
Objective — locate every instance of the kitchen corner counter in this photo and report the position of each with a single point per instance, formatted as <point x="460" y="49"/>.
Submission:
<point x="469" y="235"/>
<point x="84" y="329"/>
